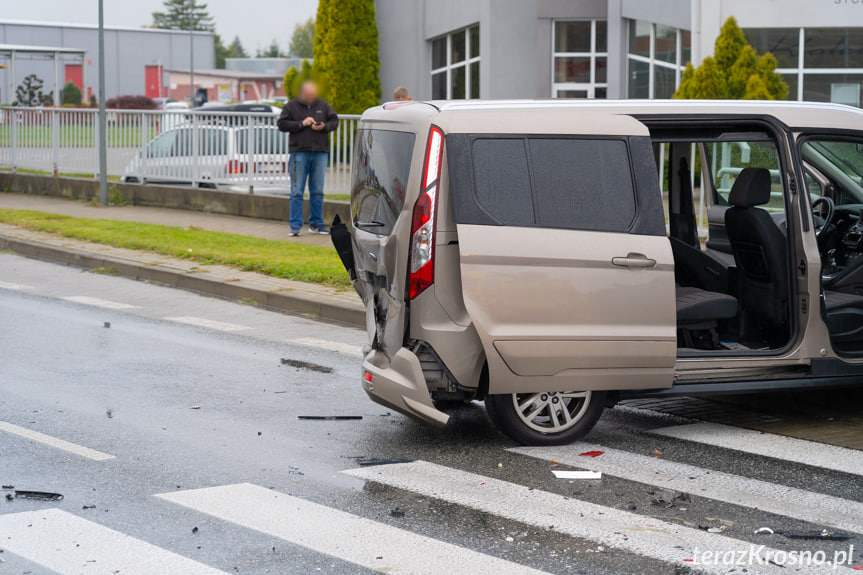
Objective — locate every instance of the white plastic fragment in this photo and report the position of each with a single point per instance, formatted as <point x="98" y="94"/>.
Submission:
<point x="577" y="474"/>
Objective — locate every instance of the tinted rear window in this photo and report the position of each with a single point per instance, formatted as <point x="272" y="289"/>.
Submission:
<point x="381" y="167"/>
<point x="267" y="140"/>
<point x="554" y="182"/>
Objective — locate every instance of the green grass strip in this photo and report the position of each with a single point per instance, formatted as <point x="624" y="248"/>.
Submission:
<point x="293" y="261"/>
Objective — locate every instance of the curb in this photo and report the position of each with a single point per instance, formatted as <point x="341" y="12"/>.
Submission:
<point x="321" y="306"/>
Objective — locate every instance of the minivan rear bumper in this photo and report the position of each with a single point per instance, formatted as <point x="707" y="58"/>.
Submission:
<point x="399" y="384"/>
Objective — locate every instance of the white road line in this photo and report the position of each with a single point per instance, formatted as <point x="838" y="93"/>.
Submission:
<point x="54" y="442"/>
<point x="328" y="345"/>
<point x="14" y="287"/>
<point x="788" y="501"/>
<point x="208" y="323"/>
<point x="354" y="539"/>
<point x="769" y="445"/>
<point x="70" y="545"/>
<point x="97" y="302"/>
<point x="640" y="534"/>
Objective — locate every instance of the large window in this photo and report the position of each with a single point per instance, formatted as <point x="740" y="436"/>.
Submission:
<point x="818" y="64"/>
<point x="455" y="65"/>
<point x="657" y="56"/>
<point x="580" y="59"/>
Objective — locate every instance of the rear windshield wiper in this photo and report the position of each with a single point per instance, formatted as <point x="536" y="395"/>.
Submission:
<point x="371" y="224"/>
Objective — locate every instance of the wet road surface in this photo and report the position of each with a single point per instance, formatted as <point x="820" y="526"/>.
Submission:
<point x="170" y="424"/>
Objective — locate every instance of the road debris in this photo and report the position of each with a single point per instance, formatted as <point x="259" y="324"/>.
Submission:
<point x="110" y="413"/>
<point x="89" y="507"/>
<point x="107" y="324"/>
<point x="376" y="461"/>
<point x="657" y="453"/>
<point x="330" y="417"/>
<point x="591" y="453"/>
<point x="194" y="530"/>
<point x="7" y="487"/>
<point x="194" y="407"/>
<point x="719" y="529"/>
<point x="397" y="512"/>
<point x="764" y="531"/>
<point x="509" y="539"/>
<point x="824" y="535"/>
<point x="38" y="495"/>
<point x="576" y="474"/>
<point x="668" y="499"/>
<point x="306" y="365"/>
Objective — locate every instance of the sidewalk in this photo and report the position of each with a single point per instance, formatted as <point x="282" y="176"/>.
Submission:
<point x="223" y="281"/>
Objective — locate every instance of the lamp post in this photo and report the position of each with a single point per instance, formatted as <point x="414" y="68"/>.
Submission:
<point x="103" y="135"/>
<point x="192" y="52"/>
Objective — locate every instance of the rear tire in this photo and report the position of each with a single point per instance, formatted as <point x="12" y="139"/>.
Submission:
<point x="546" y="418"/>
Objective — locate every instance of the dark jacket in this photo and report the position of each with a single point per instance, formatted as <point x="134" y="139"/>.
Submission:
<point x="304" y="138"/>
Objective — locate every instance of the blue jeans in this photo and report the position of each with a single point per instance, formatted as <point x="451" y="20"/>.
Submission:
<point x="311" y="166"/>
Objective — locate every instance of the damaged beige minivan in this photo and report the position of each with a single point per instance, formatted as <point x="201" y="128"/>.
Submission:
<point x="551" y="258"/>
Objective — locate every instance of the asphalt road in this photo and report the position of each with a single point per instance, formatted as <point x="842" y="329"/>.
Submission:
<point x="174" y="437"/>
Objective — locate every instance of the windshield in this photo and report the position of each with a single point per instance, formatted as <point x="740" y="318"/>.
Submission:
<point x="841" y="161"/>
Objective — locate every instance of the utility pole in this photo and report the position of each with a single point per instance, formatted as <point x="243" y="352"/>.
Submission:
<point x="103" y="131"/>
<point x="192" y="51"/>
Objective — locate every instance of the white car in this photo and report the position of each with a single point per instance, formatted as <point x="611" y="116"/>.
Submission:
<point x="216" y="154"/>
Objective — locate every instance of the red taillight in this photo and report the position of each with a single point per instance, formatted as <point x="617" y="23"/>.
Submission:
<point x="235" y="167"/>
<point x="424" y="215"/>
<point x="367" y="376"/>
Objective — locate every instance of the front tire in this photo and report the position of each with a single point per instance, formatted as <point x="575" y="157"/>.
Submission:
<point x="546" y="418"/>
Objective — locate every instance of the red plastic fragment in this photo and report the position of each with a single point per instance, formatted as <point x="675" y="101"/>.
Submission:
<point x="591" y="453"/>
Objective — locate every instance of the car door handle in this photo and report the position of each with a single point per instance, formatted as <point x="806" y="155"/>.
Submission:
<point x="633" y="261"/>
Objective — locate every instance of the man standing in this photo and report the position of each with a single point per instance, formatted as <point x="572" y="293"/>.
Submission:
<point x="308" y="119"/>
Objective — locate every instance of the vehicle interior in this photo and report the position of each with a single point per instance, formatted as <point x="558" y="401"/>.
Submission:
<point x="834" y="179"/>
<point x="726" y="203"/>
<point x="725" y="213"/>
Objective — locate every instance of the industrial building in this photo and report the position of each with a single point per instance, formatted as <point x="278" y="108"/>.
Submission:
<point x="136" y="59"/>
<point x="454" y="49"/>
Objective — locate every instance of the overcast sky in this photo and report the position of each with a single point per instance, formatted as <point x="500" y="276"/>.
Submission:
<point x="256" y="22"/>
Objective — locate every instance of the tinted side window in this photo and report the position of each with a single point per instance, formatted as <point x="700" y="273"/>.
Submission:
<point x="582" y="184"/>
<point x="502" y="180"/>
<point x="381" y="167"/>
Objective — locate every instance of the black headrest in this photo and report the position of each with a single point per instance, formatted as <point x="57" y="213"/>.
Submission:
<point x="751" y="188"/>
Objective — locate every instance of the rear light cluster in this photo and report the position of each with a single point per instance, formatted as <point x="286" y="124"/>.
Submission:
<point x="424" y="216"/>
<point x="238" y="167"/>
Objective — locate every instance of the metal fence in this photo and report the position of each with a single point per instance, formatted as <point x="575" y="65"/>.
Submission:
<point x="228" y="150"/>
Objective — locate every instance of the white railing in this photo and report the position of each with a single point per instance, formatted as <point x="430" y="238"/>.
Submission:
<point x="236" y="151"/>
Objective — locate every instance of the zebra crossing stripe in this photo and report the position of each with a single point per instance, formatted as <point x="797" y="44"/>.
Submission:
<point x="370" y="544"/>
<point x="639" y="534"/>
<point x="836" y="512"/>
<point x="769" y="445"/>
<point x="70" y="545"/>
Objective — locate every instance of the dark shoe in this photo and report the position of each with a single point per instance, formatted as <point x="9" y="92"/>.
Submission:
<point x="323" y="230"/>
<point x="295" y="232"/>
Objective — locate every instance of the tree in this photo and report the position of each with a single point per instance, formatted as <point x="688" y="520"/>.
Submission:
<point x="346" y="54"/>
<point x="184" y="15"/>
<point x="272" y="51"/>
<point x="294" y="78"/>
<point x="734" y="72"/>
<point x="29" y="93"/>
<point x="71" y="94"/>
<point x="303" y="39"/>
<point x="222" y="52"/>
<point x="236" y="48"/>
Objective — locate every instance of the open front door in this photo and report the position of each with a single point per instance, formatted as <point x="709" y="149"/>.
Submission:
<point x="566" y="269"/>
